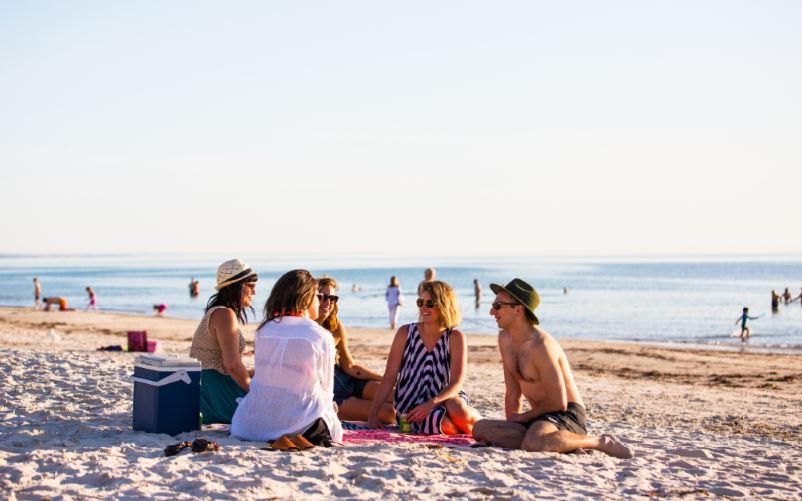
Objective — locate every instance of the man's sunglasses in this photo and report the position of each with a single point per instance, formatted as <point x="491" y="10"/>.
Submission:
<point x="498" y="304"/>
<point x="331" y="297"/>
<point x="429" y="303"/>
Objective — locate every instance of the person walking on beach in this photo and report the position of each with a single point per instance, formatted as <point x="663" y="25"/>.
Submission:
<point x="427" y="364"/>
<point x="354" y="385"/>
<point x="292" y="392"/>
<point x="395" y="299"/>
<point x="218" y="342"/>
<point x="477" y="293"/>
<point x="745" y="331"/>
<point x="92" y="300"/>
<point x="37" y="293"/>
<point x="536" y="367"/>
<point x="194" y="288"/>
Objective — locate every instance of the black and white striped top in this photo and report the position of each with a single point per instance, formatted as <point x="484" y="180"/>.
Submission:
<point x="423" y="375"/>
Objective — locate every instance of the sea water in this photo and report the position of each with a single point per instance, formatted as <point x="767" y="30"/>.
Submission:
<point x="688" y="301"/>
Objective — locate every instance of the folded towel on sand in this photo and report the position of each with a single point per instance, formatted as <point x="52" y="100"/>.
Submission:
<point x="362" y="436"/>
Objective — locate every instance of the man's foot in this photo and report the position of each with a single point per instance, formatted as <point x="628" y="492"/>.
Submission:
<point x="609" y="445"/>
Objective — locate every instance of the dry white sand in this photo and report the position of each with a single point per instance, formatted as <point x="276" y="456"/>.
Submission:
<point x="702" y="424"/>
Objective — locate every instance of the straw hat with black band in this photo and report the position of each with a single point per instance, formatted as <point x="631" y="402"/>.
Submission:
<point x="232" y="272"/>
<point x="521" y="292"/>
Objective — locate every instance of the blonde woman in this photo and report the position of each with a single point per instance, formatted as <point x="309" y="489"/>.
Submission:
<point x="427" y="364"/>
<point x="354" y="385"/>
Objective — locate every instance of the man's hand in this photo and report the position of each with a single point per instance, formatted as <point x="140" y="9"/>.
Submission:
<point x="419" y="413"/>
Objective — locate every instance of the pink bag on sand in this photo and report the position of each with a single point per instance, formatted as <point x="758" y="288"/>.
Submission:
<point x="137" y="340"/>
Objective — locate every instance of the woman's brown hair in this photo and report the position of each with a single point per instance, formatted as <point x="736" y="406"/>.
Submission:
<point x="330" y="323"/>
<point x="444" y="299"/>
<point x="292" y="293"/>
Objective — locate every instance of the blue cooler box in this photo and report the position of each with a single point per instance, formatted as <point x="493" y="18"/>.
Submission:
<point x="166" y="394"/>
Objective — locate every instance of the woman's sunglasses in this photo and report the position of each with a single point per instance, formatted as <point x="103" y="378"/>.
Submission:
<point x="498" y="304"/>
<point x="331" y="297"/>
<point x="429" y="303"/>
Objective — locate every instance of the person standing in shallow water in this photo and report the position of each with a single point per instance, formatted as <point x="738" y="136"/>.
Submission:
<point x="536" y="367"/>
<point x="477" y="293"/>
<point x="745" y="331"/>
<point x="37" y="293"/>
<point x="218" y="342"/>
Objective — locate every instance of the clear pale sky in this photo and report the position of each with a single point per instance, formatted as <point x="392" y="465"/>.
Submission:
<point x="448" y="127"/>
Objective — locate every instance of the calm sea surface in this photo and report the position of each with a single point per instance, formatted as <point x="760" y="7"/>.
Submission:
<point x="666" y="300"/>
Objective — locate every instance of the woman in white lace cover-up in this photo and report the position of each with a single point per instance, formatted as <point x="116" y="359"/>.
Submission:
<point x="293" y="385"/>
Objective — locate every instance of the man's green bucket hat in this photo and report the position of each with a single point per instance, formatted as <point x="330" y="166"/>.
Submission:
<point x="521" y="292"/>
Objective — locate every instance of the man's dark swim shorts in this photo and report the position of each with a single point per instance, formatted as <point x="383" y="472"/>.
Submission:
<point x="573" y="419"/>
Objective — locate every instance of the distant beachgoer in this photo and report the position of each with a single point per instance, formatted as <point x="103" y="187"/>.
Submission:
<point x="395" y="300"/>
<point x="92" y="300"/>
<point x="787" y="296"/>
<point x="194" y="288"/>
<point x="746" y="332"/>
<point x="775" y="301"/>
<point x="799" y="297"/>
<point x="292" y="391"/>
<point x="428" y="276"/>
<point x="477" y="293"/>
<point x="354" y="385"/>
<point x="37" y="293"/>
<point x="427" y="365"/>
<point x="49" y="302"/>
<point x="535" y="367"/>
<point x="565" y="291"/>
<point x="355" y="288"/>
<point x="218" y="342"/>
<point x="159" y="309"/>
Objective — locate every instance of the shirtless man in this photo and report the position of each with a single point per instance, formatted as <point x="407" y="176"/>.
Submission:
<point x="536" y="367"/>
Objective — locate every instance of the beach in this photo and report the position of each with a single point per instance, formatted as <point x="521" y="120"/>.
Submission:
<point x="703" y="423"/>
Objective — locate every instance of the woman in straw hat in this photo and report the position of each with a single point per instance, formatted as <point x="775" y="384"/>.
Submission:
<point x="354" y="385"/>
<point x="218" y="342"/>
<point x="427" y="364"/>
<point x="292" y="391"/>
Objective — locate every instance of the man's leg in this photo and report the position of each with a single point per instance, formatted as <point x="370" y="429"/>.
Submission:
<point x="500" y="433"/>
<point x="544" y="436"/>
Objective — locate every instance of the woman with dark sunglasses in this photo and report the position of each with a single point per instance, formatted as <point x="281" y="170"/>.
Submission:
<point x="354" y="385"/>
<point x="427" y="364"/>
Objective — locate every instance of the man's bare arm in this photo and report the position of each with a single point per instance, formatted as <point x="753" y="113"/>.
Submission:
<point x="512" y="388"/>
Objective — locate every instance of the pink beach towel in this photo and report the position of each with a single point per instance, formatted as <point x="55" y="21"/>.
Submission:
<point x="368" y="436"/>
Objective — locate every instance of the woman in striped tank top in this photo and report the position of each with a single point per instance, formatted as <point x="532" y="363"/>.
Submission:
<point x="427" y="363"/>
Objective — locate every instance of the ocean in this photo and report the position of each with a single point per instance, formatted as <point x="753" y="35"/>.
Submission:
<point x="675" y="300"/>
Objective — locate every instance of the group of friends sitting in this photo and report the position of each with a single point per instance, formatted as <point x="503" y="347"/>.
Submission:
<point x="305" y="380"/>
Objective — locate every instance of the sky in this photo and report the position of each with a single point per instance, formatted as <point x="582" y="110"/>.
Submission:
<point x="379" y="128"/>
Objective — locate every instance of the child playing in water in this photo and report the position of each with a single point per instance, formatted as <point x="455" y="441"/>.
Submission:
<point x="745" y="331"/>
